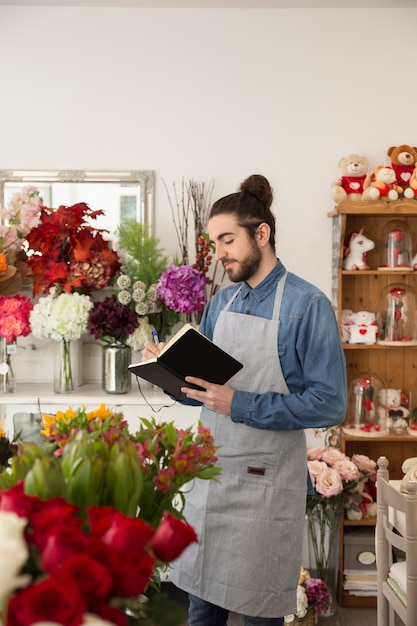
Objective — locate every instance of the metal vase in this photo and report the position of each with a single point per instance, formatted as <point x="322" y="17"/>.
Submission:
<point x="116" y="378"/>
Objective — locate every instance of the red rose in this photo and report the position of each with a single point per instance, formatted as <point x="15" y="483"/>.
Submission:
<point x="15" y="500"/>
<point x="63" y="543"/>
<point x="55" y="599"/>
<point x="134" y="575"/>
<point x="171" y="538"/>
<point x="125" y="534"/>
<point x="130" y="573"/>
<point x="49" y="514"/>
<point x="93" y="579"/>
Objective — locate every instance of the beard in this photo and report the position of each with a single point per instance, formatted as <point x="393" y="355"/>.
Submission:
<point x="247" y="267"/>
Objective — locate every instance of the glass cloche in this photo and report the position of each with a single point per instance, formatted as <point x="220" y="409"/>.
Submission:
<point x="363" y="417"/>
<point x="397" y="315"/>
<point x="396" y="246"/>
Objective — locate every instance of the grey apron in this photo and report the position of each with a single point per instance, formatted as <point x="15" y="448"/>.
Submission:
<point x="250" y="525"/>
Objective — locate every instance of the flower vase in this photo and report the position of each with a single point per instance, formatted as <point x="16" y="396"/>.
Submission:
<point x="7" y="379"/>
<point x="67" y="366"/>
<point x="116" y="378"/>
<point x="323" y="531"/>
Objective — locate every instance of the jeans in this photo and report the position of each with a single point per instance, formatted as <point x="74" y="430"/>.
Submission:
<point x="202" y="613"/>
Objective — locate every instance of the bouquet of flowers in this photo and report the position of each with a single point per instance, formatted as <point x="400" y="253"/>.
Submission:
<point x="336" y="479"/>
<point x="142" y="263"/>
<point x="19" y="216"/>
<point x="69" y="253"/>
<point x="110" y="321"/>
<point x="63" y="318"/>
<point x="14" y="317"/>
<point x="313" y="596"/>
<point x="111" y="495"/>
<point x="14" y="322"/>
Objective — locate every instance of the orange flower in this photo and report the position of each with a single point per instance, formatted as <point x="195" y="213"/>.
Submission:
<point x="4" y="264"/>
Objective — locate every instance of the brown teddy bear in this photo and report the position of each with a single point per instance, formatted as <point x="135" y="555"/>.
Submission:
<point x="413" y="182"/>
<point x="350" y="185"/>
<point x="403" y="162"/>
<point x="381" y="183"/>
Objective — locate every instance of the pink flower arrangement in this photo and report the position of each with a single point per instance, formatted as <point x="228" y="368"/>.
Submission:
<point x="182" y="289"/>
<point x="14" y="317"/>
<point x="335" y="476"/>
<point x="318" y="595"/>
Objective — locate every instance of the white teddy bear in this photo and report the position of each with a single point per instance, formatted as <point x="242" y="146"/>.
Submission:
<point x="392" y="412"/>
<point x="363" y="328"/>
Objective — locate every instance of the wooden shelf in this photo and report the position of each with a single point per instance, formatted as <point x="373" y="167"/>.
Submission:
<point x="396" y="365"/>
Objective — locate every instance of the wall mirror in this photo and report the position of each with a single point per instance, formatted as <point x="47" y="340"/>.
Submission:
<point x="120" y="194"/>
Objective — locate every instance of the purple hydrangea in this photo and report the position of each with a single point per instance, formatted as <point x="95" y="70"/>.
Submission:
<point x="182" y="289"/>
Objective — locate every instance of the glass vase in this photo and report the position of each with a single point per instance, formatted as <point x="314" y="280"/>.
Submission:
<point x="323" y="531"/>
<point x="66" y="366"/>
<point x="7" y="379"/>
<point x="116" y="378"/>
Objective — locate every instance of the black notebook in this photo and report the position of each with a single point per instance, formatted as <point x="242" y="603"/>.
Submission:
<point x="188" y="353"/>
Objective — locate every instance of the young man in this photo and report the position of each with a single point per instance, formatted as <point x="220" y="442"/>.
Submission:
<point x="284" y="331"/>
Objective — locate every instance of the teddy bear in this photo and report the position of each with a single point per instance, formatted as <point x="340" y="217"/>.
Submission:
<point x="361" y="504"/>
<point x="392" y="410"/>
<point x="350" y="185"/>
<point x="347" y="321"/>
<point x="356" y="247"/>
<point x="363" y="328"/>
<point x="413" y="182"/>
<point x="381" y="183"/>
<point x="403" y="162"/>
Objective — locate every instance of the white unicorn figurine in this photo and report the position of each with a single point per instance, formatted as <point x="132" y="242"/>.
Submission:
<point x="355" y="252"/>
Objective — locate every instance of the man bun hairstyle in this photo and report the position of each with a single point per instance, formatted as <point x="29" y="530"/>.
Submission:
<point x="251" y="204"/>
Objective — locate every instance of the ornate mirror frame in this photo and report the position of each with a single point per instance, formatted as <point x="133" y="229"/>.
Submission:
<point x="143" y="179"/>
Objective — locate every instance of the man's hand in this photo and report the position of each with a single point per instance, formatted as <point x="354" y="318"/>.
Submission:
<point x="151" y="350"/>
<point x="216" y="397"/>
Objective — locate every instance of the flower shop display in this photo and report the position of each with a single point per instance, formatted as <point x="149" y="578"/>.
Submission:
<point x="313" y="597"/>
<point x="14" y="322"/>
<point x="142" y="263"/>
<point x="69" y="253"/>
<point x="115" y="500"/>
<point x="337" y="481"/>
<point x="63" y="318"/>
<point x="113" y="322"/>
<point x="18" y="217"/>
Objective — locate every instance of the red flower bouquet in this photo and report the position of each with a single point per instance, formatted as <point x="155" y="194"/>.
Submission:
<point x="69" y="253"/>
<point x="89" y="517"/>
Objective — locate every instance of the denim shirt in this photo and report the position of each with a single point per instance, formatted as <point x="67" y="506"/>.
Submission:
<point x="310" y="352"/>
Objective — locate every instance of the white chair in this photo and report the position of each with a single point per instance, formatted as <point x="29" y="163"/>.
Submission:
<point x="397" y="582"/>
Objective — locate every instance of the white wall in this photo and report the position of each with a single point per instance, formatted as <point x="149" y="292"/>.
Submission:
<point x="205" y="93"/>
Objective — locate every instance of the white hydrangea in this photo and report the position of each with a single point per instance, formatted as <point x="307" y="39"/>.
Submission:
<point x="62" y="317"/>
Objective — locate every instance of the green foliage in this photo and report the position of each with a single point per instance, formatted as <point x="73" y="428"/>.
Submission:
<point x="146" y="260"/>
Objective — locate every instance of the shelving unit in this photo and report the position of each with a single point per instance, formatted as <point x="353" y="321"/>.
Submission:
<point x="360" y="290"/>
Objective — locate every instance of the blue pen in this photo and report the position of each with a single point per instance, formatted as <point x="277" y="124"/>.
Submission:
<point x="155" y="337"/>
